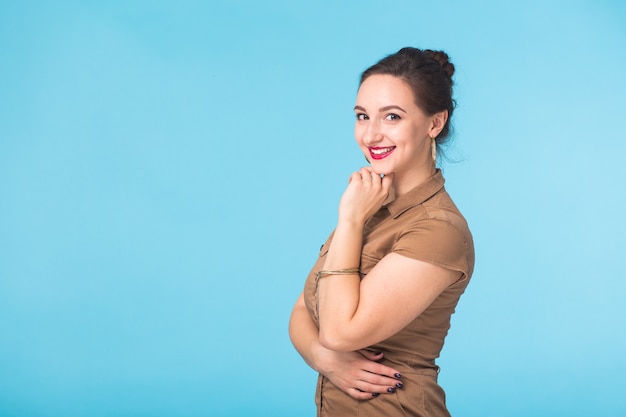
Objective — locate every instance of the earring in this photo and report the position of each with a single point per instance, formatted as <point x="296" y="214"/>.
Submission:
<point x="433" y="151"/>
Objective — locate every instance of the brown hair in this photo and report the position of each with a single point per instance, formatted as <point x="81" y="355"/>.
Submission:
<point x="428" y="73"/>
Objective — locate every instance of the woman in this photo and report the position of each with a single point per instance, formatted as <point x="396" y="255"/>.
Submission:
<point x="376" y="306"/>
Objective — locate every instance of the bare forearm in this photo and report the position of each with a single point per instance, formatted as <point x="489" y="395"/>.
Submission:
<point x="304" y="334"/>
<point x="356" y="373"/>
<point x="339" y="294"/>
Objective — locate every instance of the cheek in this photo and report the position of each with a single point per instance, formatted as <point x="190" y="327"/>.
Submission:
<point x="358" y="134"/>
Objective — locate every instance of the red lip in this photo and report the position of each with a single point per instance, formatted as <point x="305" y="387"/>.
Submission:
<point x="381" y="155"/>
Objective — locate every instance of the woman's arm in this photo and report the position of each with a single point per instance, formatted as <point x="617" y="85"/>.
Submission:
<point x="355" y="313"/>
<point x="356" y="373"/>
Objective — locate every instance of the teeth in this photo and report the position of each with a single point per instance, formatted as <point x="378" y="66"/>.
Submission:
<point x="381" y="151"/>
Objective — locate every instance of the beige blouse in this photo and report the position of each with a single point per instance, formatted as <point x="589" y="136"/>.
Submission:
<point x="423" y="224"/>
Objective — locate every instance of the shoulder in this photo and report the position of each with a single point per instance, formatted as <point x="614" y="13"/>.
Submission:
<point x="440" y="207"/>
<point x="439" y="234"/>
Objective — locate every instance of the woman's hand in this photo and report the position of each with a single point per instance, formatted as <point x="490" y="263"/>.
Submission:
<point x="365" y="194"/>
<point x="358" y="373"/>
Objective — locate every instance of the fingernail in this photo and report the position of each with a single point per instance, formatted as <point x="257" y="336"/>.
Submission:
<point x="375" y="394"/>
<point x="399" y="385"/>
<point x="378" y="353"/>
<point x="391" y="390"/>
<point x="397" y="375"/>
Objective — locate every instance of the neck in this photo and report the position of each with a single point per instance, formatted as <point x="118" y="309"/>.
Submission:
<point x="403" y="183"/>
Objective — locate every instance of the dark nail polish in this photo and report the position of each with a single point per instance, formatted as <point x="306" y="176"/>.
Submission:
<point x="391" y="390"/>
<point x="375" y="394"/>
<point x="397" y="375"/>
<point x="399" y="385"/>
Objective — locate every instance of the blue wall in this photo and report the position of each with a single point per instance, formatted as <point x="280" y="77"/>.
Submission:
<point x="169" y="169"/>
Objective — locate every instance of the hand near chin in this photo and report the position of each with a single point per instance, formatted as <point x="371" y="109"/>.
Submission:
<point x="359" y="374"/>
<point x="365" y="194"/>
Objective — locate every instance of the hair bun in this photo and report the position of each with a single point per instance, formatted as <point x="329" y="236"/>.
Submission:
<point x="443" y="60"/>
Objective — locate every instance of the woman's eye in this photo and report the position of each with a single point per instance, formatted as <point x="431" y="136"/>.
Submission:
<point x="392" y="116"/>
<point x="361" y="116"/>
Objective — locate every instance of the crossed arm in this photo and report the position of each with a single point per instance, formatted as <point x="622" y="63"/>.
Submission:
<point x="355" y="313"/>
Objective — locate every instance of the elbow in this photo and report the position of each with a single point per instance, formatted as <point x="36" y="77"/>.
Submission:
<point x="335" y="341"/>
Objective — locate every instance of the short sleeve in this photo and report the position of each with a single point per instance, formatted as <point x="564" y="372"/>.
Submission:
<point x="437" y="242"/>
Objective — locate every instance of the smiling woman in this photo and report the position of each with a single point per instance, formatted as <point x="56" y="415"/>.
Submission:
<point x="396" y="141"/>
<point x="376" y="306"/>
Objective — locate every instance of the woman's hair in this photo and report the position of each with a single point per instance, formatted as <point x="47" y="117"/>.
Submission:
<point x="428" y="73"/>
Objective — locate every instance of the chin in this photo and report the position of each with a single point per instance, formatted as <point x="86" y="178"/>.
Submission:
<point x="379" y="166"/>
<point x="381" y="171"/>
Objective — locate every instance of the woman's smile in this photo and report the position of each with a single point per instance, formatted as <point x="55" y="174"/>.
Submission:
<point x="377" y="152"/>
<point x="393" y="132"/>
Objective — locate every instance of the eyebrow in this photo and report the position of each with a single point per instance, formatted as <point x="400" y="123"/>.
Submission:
<point x="382" y="109"/>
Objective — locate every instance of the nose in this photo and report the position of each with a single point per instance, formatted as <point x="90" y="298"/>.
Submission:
<point x="372" y="134"/>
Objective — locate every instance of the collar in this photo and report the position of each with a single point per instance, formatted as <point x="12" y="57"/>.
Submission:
<point x="417" y="195"/>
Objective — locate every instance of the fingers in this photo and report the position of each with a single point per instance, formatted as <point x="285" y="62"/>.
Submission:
<point x="378" y="373"/>
<point x="386" y="182"/>
<point x="376" y="378"/>
<point x="370" y="386"/>
<point x="357" y="394"/>
<point x="361" y="376"/>
<point x="384" y="382"/>
<point x="367" y="174"/>
<point x="373" y="356"/>
<point x="363" y="196"/>
<point x="356" y="176"/>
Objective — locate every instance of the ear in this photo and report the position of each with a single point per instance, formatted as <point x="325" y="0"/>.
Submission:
<point x="438" y="121"/>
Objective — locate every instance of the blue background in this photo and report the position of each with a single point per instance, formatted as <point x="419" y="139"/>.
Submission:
<point x="168" y="171"/>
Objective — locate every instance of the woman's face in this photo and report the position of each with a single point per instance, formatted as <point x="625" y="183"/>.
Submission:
<point x="392" y="131"/>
